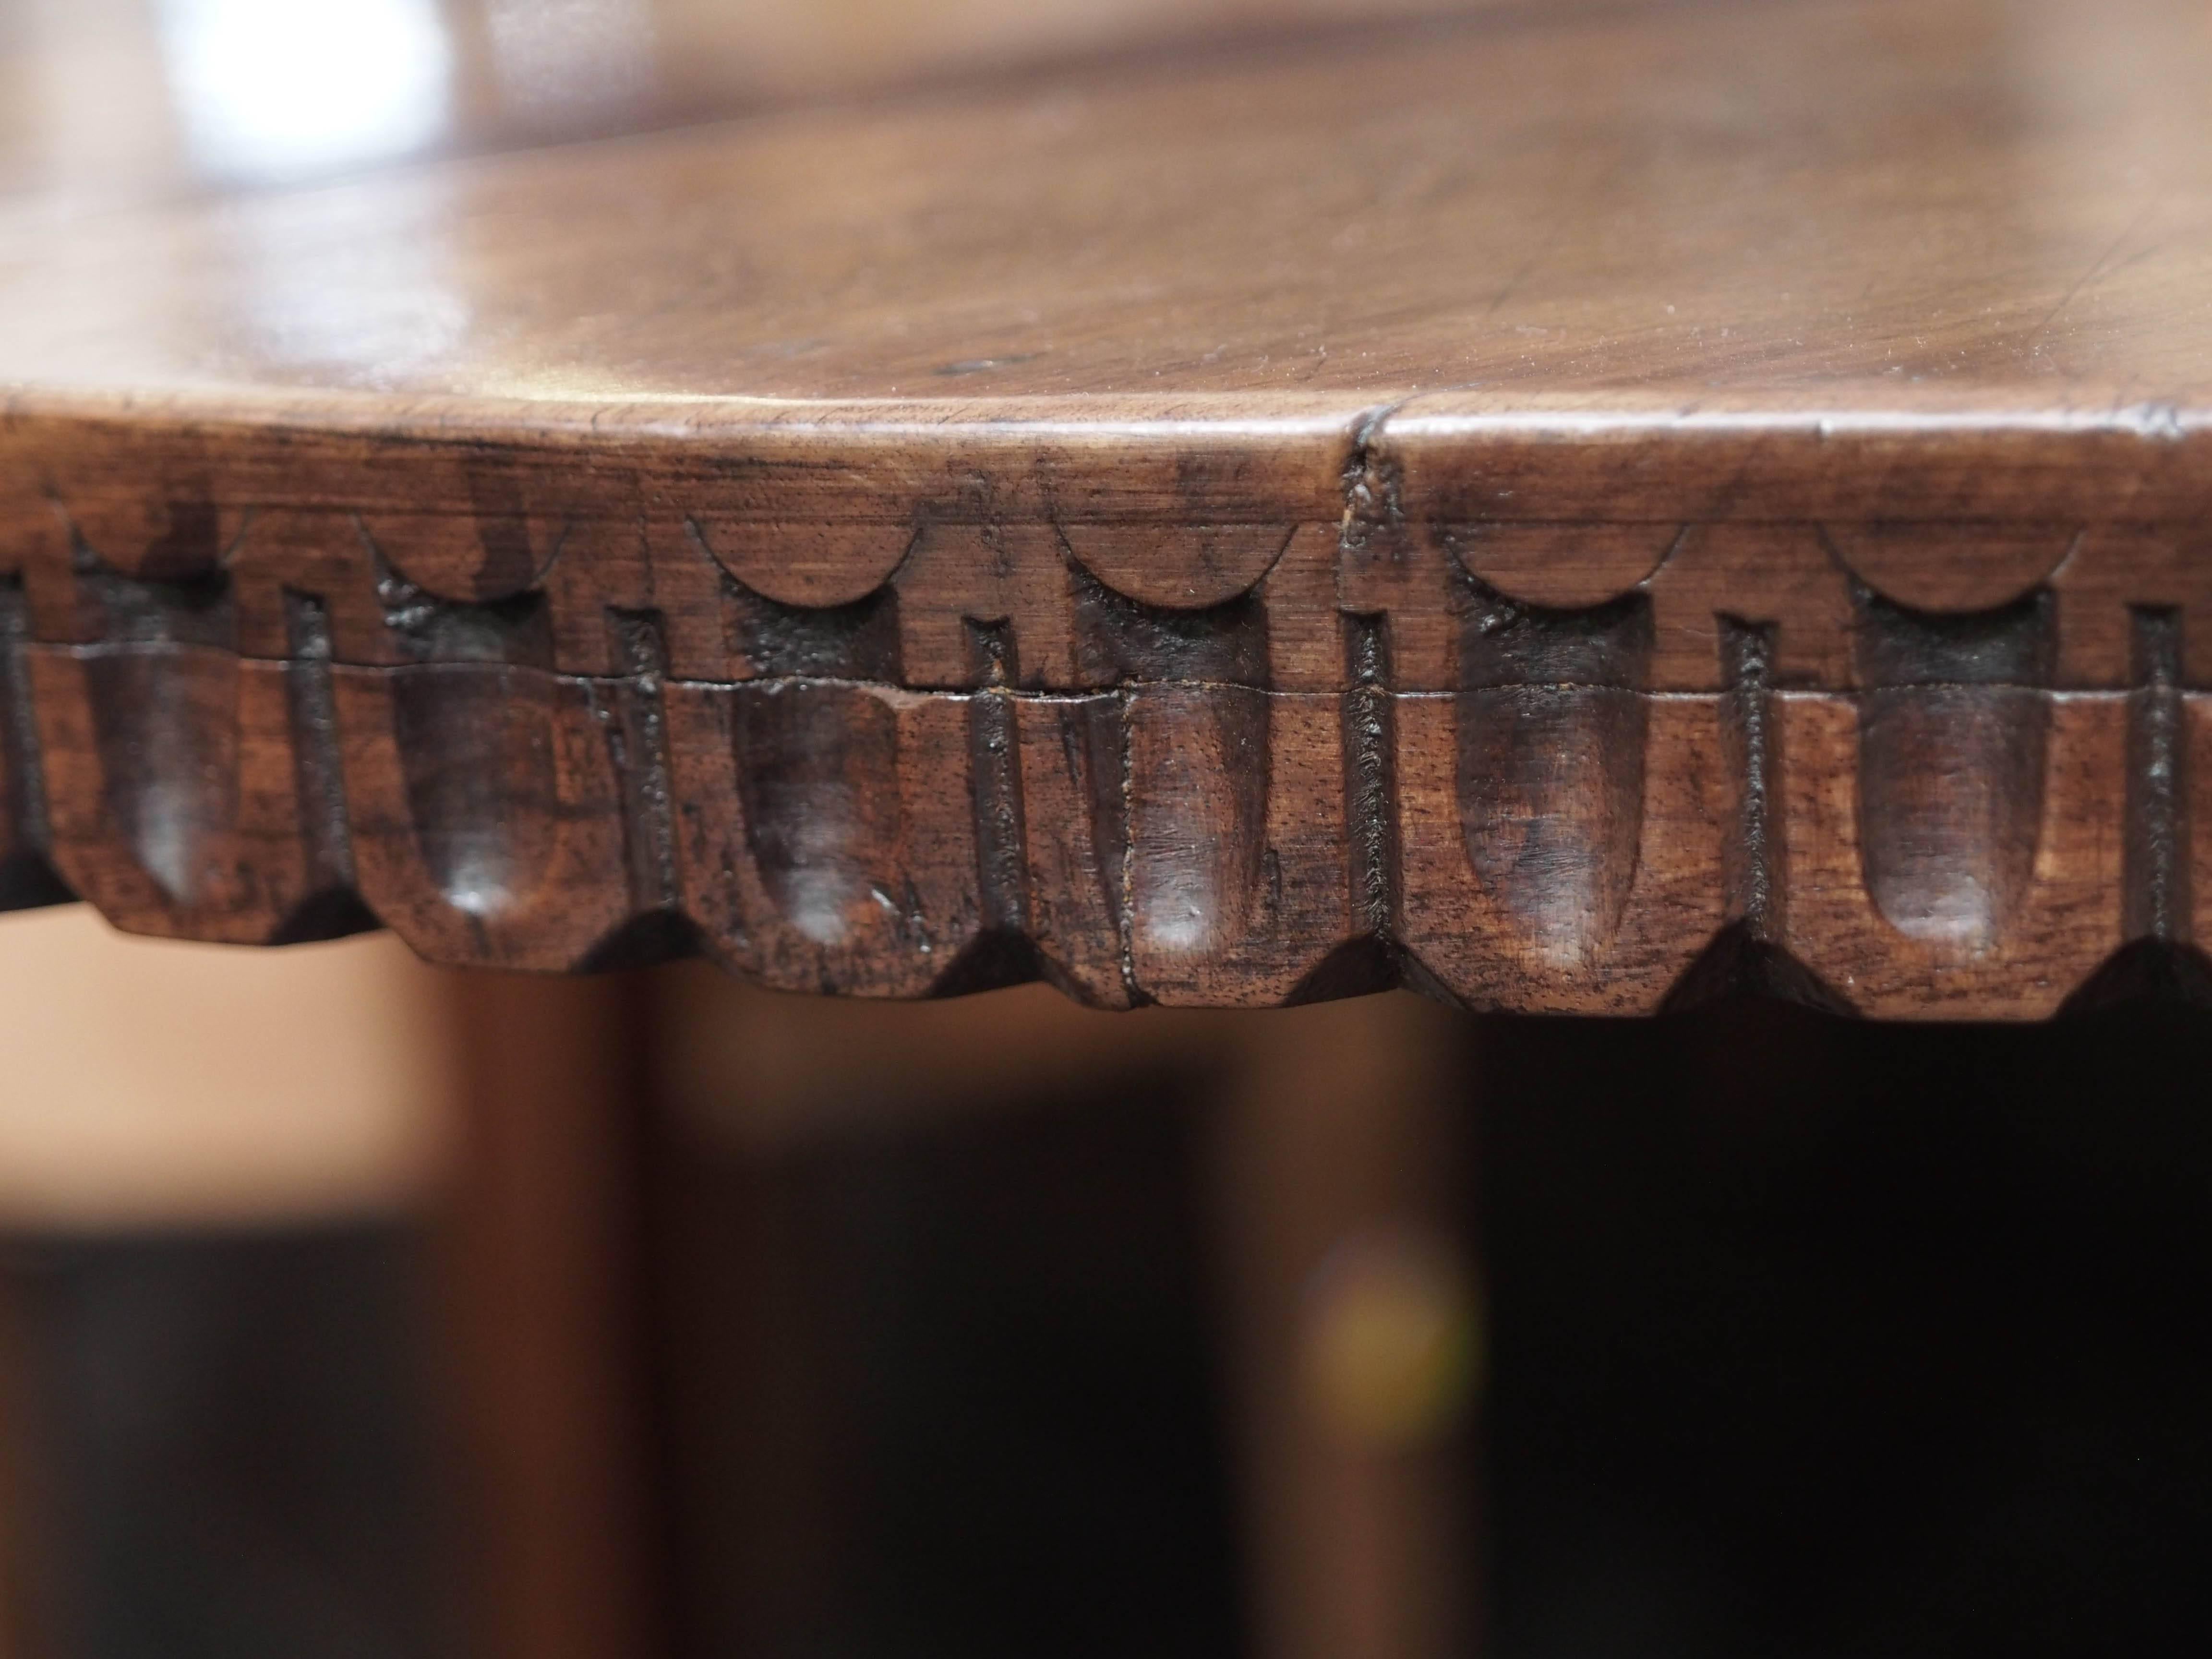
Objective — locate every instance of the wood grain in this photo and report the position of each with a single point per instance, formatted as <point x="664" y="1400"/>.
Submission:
<point x="1565" y="511"/>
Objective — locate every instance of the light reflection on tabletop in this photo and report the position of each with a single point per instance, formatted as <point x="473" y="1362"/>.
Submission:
<point x="1759" y="219"/>
<point x="268" y="88"/>
<point x="102" y="98"/>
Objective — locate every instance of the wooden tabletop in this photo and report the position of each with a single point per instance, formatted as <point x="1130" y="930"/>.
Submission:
<point x="1570" y="507"/>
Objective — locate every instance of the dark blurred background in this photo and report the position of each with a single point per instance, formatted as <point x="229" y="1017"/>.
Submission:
<point x="1000" y="1326"/>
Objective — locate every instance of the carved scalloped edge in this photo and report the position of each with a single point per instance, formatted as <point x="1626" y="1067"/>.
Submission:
<point x="1910" y="769"/>
<point x="1553" y="845"/>
<point x="1387" y="512"/>
<point x="740" y="602"/>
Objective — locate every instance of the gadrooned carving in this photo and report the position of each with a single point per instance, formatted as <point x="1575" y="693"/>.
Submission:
<point x="1553" y="766"/>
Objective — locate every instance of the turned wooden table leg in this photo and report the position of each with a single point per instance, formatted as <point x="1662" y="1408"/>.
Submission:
<point x="541" y="1232"/>
<point x="1342" y="1201"/>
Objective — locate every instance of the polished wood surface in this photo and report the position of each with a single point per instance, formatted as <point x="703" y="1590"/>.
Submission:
<point x="109" y="100"/>
<point x="1676" y="214"/>
<point x="1565" y="509"/>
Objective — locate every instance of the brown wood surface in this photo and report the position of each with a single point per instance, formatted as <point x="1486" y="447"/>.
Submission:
<point x="110" y="100"/>
<point x="555" y="1529"/>
<point x="1566" y="510"/>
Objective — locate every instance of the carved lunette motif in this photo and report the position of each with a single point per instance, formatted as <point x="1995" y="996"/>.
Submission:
<point x="1532" y="765"/>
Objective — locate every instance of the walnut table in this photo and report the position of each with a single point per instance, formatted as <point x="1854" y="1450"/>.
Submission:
<point x="1566" y="510"/>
